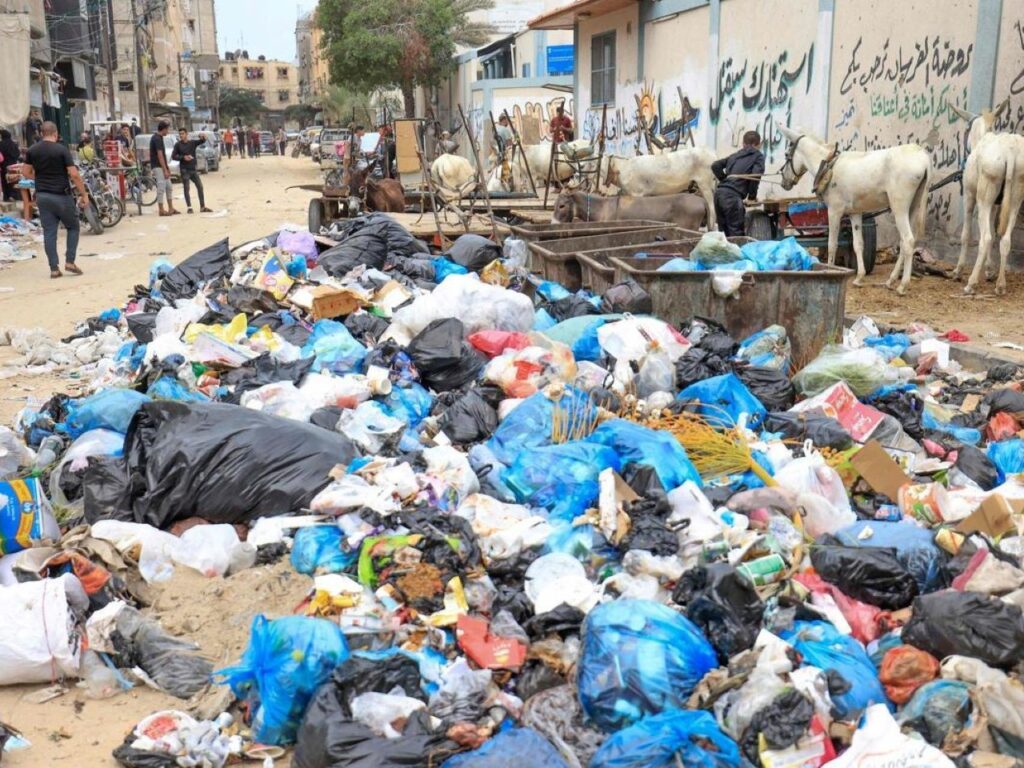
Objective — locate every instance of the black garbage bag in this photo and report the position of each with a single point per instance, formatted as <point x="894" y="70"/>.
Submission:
<point x="813" y="425"/>
<point x="442" y="356"/>
<point x="205" y="266"/>
<point x="327" y="417"/>
<point x="648" y="529"/>
<point x="467" y="418"/>
<point x="711" y="336"/>
<point x="967" y="624"/>
<point x="366" y="327"/>
<point x="536" y="677"/>
<point x="130" y="757"/>
<point x="907" y="408"/>
<point x="723" y="604"/>
<point x="974" y="463"/>
<point x="370" y="240"/>
<point x="474" y="252"/>
<point x="563" y="620"/>
<point x="627" y="296"/>
<point x="224" y="463"/>
<point x="263" y="370"/>
<point x="439" y="531"/>
<point x="769" y="385"/>
<point x="782" y="723"/>
<point x="872" y="575"/>
<point x="250" y="300"/>
<point x="1000" y="401"/>
<point x="173" y="664"/>
<point x="571" y="306"/>
<point x="644" y="480"/>
<point x="330" y="738"/>
<point x="697" y="364"/>
<point x="107" y="489"/>
<point x="1002" y="372"/>
<point x="417" y="269"/>
<point x="142" y="325"/>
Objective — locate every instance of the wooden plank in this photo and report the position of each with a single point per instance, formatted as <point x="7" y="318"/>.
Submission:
<point x="423" y="226"/>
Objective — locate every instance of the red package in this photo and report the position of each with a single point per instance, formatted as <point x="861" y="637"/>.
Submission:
<point x="1002" y="426"/>
<point x="904" y="670"/>
<point x="485" y="650"/>
<point x="954" y="335"/>
<point x="864" y="619"/>
<point x="493" y="343"/>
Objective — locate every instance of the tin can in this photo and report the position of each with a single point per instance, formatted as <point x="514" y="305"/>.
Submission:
<point x="714" y="550"/>
<point x="764" y="570"/>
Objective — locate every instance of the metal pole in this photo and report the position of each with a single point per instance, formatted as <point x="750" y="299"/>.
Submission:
<point x="140" y="74"/>
<point x="600" y="149"/>
<point x="522" y="152"/>
<point x="483" y="178"/>
<point x="551" y="166"/>
<point x="105" y="10"/>
<point x="181" y="84"/>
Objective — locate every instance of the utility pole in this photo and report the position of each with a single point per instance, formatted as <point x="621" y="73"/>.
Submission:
<point x="181" y="83"/>
<point x="140" y="74"/>
<point x="105" y="10"/>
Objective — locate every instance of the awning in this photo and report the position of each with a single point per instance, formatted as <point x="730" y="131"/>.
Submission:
<point x="567" y="15"/>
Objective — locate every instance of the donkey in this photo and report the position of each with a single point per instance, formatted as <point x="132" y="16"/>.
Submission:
<point x="855" y="183"/>
<point x="993" y="160"/>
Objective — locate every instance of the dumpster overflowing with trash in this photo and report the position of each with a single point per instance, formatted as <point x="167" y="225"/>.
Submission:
<point x="539" y="526"/>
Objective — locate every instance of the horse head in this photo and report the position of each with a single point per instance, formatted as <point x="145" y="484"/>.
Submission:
<point x="979" y="124"/>
<point x="565" y="207"/>
<point x="796" y="165"/>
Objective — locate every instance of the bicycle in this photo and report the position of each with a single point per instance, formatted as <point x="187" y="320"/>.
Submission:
<point x="141" y="186"/>
<point x="109" y="207"/>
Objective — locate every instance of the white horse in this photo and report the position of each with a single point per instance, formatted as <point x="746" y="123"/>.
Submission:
<point x="993" y="160"/>
<point x="666" y="174"/>
<point x="856" y="183"/>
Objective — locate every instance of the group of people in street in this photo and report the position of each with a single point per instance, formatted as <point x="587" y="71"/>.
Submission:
<point x="184" y="152"/>
<point x="247" y="141"/>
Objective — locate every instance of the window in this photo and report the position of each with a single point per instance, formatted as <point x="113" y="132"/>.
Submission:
<point x="126" y="85"/>
<point x="602" y="69"/>
<point x="282" y="95"/>
<point x="282" y="73"/>
<point x="234" y="72"/>
<point x="254" y="73"/>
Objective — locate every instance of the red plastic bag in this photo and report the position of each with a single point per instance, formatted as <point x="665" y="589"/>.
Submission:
<point x="493" y="343"/>
<point x="864" y="619"/>
<point x="1002" y="426"/>
<point x="904" y="670"/>
<point x="954" y="335"/>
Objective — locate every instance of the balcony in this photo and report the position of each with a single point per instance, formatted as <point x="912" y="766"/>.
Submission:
<point x="70" y="33"/>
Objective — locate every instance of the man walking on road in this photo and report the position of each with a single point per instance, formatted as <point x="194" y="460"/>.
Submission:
<point x="229" y="141"/>
<point x="240" y="136"/>
<point x="254" y="143"/>
<point x="53" y="169"/>
<point x="162" y="173"/>
<point x="185" y="153"/>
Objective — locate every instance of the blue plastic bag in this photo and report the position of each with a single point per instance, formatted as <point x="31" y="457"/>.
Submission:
<point x="679" y="264"/>
<point x="767" y="348"/>
<point x="773" y="255"/>
<point x="111" y="315"/>
<point x="297" y="267"/>
<point x="411" y="404"/>
<point x="580" y="335"/>
<point x="560" y="478"/>
<point x="723" y="400"/>
<point x="638" y="658"/>
<point x="446" y="267"/>
<point x="542" y="320"/>
<point x="963" y="434"/>
<point x="157" y="270"/>
<point x="889" y="346"/>
<point x="637" y="444"/>
<point x="938" y="708"/>
<point x="107" y="409"/>
<point x="1008" y="456"/>
<point x="510" y="748"/>
<point x="655" y="742"/>
<point x="286" y="661"/>
<point x="333" y="347"/>
<point x="552" y="291"/>
<point x="915" y="548"/>
<point x="824" y="647"/>
<point x="318" y="547"/>
<point x="529" y="423"/>
<point x="169" y="388"/>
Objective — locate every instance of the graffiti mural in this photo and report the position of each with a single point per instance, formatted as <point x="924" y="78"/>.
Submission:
<point x="662" y="109"/>
<point x="1012" y="120"/>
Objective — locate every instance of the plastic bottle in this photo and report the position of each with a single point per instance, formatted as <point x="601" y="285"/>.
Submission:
<point x="515" y="252"/>
<point x="657" y="373"/>
<point x="99" y="680"/>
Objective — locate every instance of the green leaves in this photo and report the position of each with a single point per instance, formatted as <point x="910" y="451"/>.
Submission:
<point x="238" y="102"/>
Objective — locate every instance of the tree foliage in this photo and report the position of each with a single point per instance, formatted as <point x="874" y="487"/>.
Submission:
<point x="303" y="114"/>
<point x="396" y="43"/>
<point x="240" y="103"/>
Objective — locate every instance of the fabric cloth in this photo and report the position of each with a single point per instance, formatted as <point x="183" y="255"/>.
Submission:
<point x="163" y="186"/>
<point x="156" y="149"/>
<point x="187" y="147"/>
<point x="54" y="210"/>
<point x="747" y="161"/>
<point x="561" y="128"/>
<point x="50" y="160"/>
<point x="15" y="64"/>
<point x="192" y="175"/>
<point x="730" y="211"/>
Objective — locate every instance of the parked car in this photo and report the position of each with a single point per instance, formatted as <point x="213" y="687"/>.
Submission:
<point x="291" y="135"/>
<point x="208" y="153"/>
<point x="314" y="144"/>
<point x="142" y="153"/>
<point x="267" y="143"/>
<point x="329" y="140"/>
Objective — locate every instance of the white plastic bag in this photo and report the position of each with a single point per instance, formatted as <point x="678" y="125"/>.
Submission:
<point x="14" y="454"/>
<point x="281" y="398"/>
<point x="558" y="578"/>
<point x="504" y="530"/>
<point x="632" y="337"/>
<point x="378" y="710"/>
<point x="36" y="637"/>
<point x="452" y="466"/>
<point x="370" y="427"/>
<point x="811" y="477"/>
<point x="879" y="743"/>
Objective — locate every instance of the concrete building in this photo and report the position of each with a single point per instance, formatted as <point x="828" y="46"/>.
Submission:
<point x="864" y="73"/>
<point x="313" y="72"/>
<point x="275" y="82"/>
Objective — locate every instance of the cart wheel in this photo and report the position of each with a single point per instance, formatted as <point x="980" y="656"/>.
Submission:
<point x="316" y="216"/>
<point x="846" y="256"/>
<point x="759" y="226"/>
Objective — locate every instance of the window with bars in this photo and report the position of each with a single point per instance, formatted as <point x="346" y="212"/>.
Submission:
<point x="602" y="69"/>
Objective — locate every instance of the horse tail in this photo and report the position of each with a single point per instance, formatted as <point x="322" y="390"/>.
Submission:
<point x="919" y="205"/>
<point x="1009" y="187"/>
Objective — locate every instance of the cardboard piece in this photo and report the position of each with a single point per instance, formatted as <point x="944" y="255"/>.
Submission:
<point x="970" y="403"/>
<point x="994" y="517"/>
<point x="331" y="302"/>
<point x="879" y="470"/>
<point x="840" y="403"/>
<point x="613" y="494"/>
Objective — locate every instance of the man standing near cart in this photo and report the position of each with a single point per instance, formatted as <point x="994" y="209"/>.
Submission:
<point x="734" y="186"/>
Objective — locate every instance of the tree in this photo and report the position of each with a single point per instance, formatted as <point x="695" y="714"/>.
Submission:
<point x="240" y="103"/>
<point x="341" y="105"/>
<point x="303" y="114"/>
<point x="397" y="43"/>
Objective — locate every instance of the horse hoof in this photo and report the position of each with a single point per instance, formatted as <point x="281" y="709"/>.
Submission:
<point x="956" y="275"/>
<point x="901" y="290"/>
<point x="889" y="284"/>
<point x="969" y="289"/>
<point x="1000" y="289"/>
<point x="858" y="281"/>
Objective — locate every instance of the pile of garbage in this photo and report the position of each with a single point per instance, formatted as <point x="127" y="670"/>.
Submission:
<point x="534" y="522"/>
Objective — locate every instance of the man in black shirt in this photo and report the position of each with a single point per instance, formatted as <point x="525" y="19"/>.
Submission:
<point x="53" y="169"/>
<point x="185" y="153"/>
<point x="162" y="173"/>
<point x="731" y="192"/>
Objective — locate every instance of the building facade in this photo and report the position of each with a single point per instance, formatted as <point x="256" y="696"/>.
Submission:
<point x="275" y="82"/>
<point x="313" y="73"/>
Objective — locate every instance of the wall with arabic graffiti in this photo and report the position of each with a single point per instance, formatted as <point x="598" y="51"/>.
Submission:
<point x="1010" y="68"/>
<point x="676" y="60"/>
<point x="896" y="70"/>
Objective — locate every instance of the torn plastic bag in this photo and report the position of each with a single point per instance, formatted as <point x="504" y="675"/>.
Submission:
<point x="630" y="339"/>
<point x="639" y="445"/>
<point x="468" y="418"/>
<point x="823" y="431"/>
<point x="561" y="478"/>
<point x="723" y="604"/>
<point x="915" y="548"/>
<point x="474" y="252"/>
<point x="863" y="370"/>
<point x="770" y="386"/>
<point x="723" y="401"/>
<point x="905" y="669"/>
<point x="265" y="465"/>
<point x="369" y="426"/>
<point x="286" y="661"/>
<point x="556" y="714"/>
<point x="318" y="548"/>
<point x="173" y="664"/>
<point x="698" y="364"/>
<point x="370" y="240"/>
<point x="879" y="743"/>
<point x="529" y="424"/>
<point x="864" y="619"/>
<point x="824" y="647"/>
<point x="638" y="658"/>
<point x="938" y="709"/>
<point x="508" y="749"/>
<point x="334" y="348"/>
<point x="978" y="467"/>
<point x="668" y="740"/>
<point x="442" y="356"/>
<point x="874" y="576"/>
<point x="967" y="624"/>
<point x="205" y="266"/>
<point x="627" y="296"/>
<point x="107" y="409"/>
